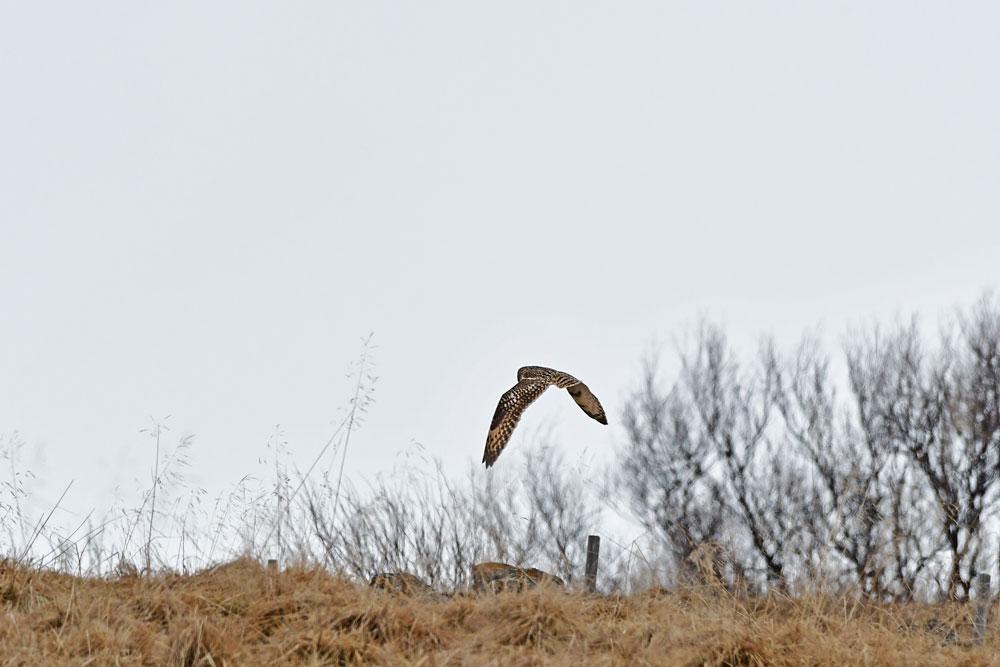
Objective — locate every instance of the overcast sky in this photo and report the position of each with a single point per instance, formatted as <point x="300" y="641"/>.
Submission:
<point x="205" y="206"/>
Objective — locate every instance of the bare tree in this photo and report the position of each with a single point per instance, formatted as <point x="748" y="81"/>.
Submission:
<point x="861" y="499"/>
<point x="935" y="409"/>
<point x="663" y="470"/>
<point x="731" y="411"/>
<point x="704" y="463"/>
<point x="888" y="490"/>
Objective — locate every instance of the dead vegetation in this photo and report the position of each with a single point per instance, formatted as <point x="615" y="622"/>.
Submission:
<point x="497" y="577"/>
<point x="241" y="613"/>
<point x="782" y="525"/>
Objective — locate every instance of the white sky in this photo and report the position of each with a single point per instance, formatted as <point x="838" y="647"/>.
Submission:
<point x="204" y="206"/>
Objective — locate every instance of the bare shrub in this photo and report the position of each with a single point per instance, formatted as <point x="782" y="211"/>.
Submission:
<point x="890" y="490"/>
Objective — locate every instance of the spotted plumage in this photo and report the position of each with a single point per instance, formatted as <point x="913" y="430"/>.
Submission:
<point x="531" y="382"/>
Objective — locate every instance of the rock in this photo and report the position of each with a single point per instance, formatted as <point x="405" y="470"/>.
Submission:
<point x="400" y="582"/>
<point x="496" y="577"/>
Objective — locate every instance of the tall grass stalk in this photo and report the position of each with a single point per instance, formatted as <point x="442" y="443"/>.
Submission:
<point x="152" y="504"/>
<point x="362" y="367"/>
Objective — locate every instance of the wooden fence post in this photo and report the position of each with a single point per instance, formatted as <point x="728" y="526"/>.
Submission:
<point x="593" y="551"/>
<point x="981" y="587"/>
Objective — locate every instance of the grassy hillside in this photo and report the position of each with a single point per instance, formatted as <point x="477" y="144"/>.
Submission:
<point x="242" y="614"/>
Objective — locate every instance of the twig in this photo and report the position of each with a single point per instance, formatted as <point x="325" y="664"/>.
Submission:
<point x="41" y="527"/>
<point x="152" y="507"/>
<point x="350" y="423"/>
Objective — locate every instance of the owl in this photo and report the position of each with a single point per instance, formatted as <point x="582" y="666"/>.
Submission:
<point x="531" y="382"/>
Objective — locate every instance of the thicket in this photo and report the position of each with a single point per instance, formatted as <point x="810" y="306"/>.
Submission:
<point x="872" y="469"/>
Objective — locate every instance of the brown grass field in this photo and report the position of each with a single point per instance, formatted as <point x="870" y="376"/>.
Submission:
<point x="242" y="614"/>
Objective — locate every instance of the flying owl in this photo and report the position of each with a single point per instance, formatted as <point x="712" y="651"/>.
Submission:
<point x="531" y="382"/>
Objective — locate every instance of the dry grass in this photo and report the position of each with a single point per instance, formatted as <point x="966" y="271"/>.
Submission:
<point x="240" y="614"/>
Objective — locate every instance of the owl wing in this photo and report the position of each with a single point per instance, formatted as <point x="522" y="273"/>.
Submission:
<point x="509" y="410"/>
<point x="587" y="401"/>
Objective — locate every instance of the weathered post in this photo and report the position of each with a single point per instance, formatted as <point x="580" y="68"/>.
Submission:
<point x="593" y="551"/>
<point x="272" y="564"/>
<point x="981" y="586"/>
